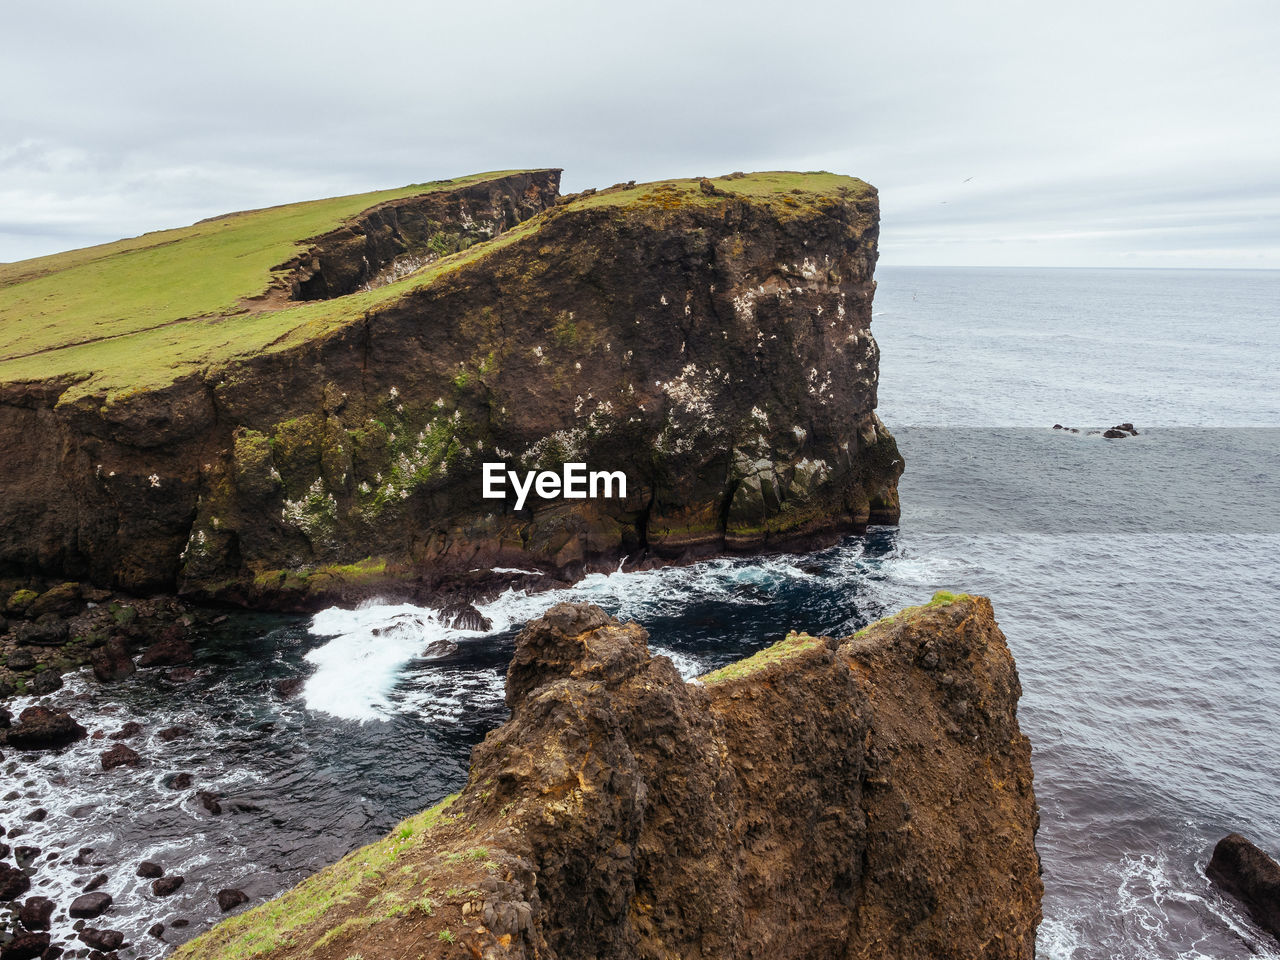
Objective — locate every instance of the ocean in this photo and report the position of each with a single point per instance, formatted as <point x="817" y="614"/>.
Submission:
<point x="1136" y="580"/>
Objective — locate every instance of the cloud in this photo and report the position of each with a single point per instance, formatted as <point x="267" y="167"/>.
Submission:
<point x="1094" y="133"/>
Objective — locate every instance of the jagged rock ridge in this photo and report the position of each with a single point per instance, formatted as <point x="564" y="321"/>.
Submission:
<point x="865" y="797"/>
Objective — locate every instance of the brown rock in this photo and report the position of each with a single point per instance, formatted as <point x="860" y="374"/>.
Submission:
<point x="150" y="870"/>
<point x="230" y="899"/>
<point x="120" y="756"/>
<point x="1251" y="876"/>
<point x="104" y="940"/>
<point x="130" y="729"/>
<point x="62" y="600"/>
<point x="818" y="800"/>
<point x="171" y="650"/>
<point x="89" y="906"/>
<point x="13" y="883"/>
<point x="36" y="913"/>
<point x="44" y="728"/>
<point x="25" y="946"/>
<point x="111" y="661"/>
<point x="166" y="886"/>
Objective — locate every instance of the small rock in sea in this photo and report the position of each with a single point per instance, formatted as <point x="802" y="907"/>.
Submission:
<point x="170" y="650"/>
<point x="439" y="648"/>
<point x="111" y="661"/>
<point x="89" y="906"/>
<point x="166" y="886"/>
<point x="289" y="687"/>
<point x="130" y="729"/>
<point x="1247" y="873"/>
<point x="1114" y="434"/>
<point x="120" y="756"/>
<point x="36" y="913"/>
<point x="6" y="718"/>
<point x="104" y="940"/>
<point x="209" y="801"/>
<point x="26" y="946"/>
<point x="464" y="616"/>
<point x="180" y="675"/>
<point x="156" y="930"/>
<point x="37" y="815"/>
<point x="54" y="952"/>
<point x="4" y="850"/>
<point x="95" y="883"/>
<point x="13" y="883"/>
<point x="82" y="858"/>
<point x="150" y="870"/>
<point x="172" y="733"/>
<point x="231" y="898"/>
<point x="179" y="781"/>
<point x="179" y="923"/>
<point x="25" y="856"/>
<point x="1058" y="426"/>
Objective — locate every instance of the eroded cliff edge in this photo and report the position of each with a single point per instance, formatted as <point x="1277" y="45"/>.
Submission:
<point x="864" y="797"/>
<point x="711" y="339"/>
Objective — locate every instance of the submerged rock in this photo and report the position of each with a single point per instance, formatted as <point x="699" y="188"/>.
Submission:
<point x="868" y="797"/>
<point x="120" y="756"/>
<point x="166" y="886"/>
<point x="1250" y="875"/>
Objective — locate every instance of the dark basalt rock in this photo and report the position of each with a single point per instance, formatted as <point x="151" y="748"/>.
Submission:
<point x="95" y="882"/>
<point x="48" y="634"/>
<point x="45" y="682"/>
<point x="130" y="729"/>
<point x="156" y="930"/>
<point x="231" y="898"/>
<point x="171" y="650"/>
<point x="22" y="660"/>
<point x="150" y="870"/>
<point x="44" y="728"/>
<point x="13" y="883"/>
<point x="209" y="801"/>
<point x="36" y="913"/>
<point x="25" y="946"/>
<point x="89" y="906"/>
<point x="179" y="781"/>
<point x="24" y="855"/>
<point x="1247" y="873"/>
<point x="120" y="756"/>
<point x="104" y="940"/>
<point x="169" y="734"/>
<point x="1114" y="434"/>
<point x="289" y="687"/>
<point x="464" y="616"/>
<point x="111" y="662"/>
<point x="166" y="886"/>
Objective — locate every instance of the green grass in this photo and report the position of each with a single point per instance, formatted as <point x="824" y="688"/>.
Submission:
<point x="273" y="924"/>
<point x="943" y="598"/>
<point x="179" y="284"/>
<point x="794" y="643"/>
<point x="136" y="315"/>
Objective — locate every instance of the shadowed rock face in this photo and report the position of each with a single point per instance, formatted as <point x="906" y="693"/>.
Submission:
<point x="865" y="797"/>
<point x="716" y="348"/>
<point x="1251" y="876"/>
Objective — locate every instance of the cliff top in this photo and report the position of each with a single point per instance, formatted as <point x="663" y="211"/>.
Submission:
<point x="137" y="314"/>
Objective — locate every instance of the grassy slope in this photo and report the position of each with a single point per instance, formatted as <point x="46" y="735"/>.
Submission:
<point x="166" y="302"/>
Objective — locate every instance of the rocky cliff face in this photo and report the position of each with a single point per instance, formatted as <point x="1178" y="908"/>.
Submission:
<point x="865" y="797"/>
<point x="710" y="340"/>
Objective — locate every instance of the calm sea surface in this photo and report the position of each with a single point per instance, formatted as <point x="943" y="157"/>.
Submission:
<point x="1138" y="582"/>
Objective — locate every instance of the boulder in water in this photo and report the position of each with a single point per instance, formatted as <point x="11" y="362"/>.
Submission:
<point x="45" y="728"/>
<point x="89" y="906"/>
<point x="230" y="899"/>
<point x="13" y="882"/>
<point x="36" y="913"/>
<point x="166" y="886"/>
<point x="104" y="940"/>
<point x="1247" y="873"/>
<point x="464" y="616"/>
<point x="111" y="661"/>
<point x="150" y="870"/>
<point x="25" y="946"/>
<point x="120" y="756"/>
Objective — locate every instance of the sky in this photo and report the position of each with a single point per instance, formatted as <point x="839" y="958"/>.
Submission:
<point x="1119" y="133"/>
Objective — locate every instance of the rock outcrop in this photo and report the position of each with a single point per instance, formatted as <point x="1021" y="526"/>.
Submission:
<point x="869" y="797"/>
<point x="714" y="346"/>
<point x="1249" y="874"/>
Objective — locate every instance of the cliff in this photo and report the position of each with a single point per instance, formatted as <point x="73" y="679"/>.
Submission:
<point x="865" y="797"/>
<point x="291" y="406"/>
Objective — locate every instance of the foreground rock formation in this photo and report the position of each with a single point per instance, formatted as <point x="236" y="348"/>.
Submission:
<point x="1249" y="874"/>
<point x="316" y="434"/>
<point x="865" y="797"/>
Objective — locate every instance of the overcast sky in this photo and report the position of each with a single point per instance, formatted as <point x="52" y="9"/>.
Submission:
<point x="1109" y="134"/>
